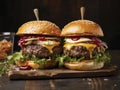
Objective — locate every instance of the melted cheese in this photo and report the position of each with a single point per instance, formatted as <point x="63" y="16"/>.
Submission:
<point x="50" y="47"/>
<point x="47" y="44"/>
<point x="89" y="47"/>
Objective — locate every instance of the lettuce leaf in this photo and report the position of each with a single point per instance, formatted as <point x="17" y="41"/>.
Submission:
<point x="65" y="58"/>
<point x="17" y="56"/>
<point x="102" y="57"/>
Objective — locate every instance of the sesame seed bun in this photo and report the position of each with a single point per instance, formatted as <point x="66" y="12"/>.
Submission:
<point x="82" y="28"/>
<point x="39" y="27"/>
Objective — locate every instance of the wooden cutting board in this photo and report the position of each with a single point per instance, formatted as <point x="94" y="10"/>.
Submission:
<point x="15" y="74"/>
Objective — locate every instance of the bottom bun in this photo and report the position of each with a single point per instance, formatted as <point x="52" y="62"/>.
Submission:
<point x="84" y="65"/>
<point x="27" y="63"/>
<point x="33" y="65"/>
<point x="20" y="64"/>
<point x="47" y="64"/>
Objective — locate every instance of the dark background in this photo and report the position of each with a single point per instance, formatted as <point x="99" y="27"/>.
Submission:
<point x="106" y="13"/>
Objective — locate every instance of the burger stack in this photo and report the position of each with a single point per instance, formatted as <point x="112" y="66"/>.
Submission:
<point x="83" y="46"/>
<point x="42" y="46"/>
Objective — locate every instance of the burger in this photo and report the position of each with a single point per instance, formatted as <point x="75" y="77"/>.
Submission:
<point x="39" y="42"/>
<point x="83" y="49"/>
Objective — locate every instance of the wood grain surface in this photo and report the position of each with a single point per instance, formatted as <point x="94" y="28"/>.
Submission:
<point x="111" y="82"/>
<point x="60" y="73"/>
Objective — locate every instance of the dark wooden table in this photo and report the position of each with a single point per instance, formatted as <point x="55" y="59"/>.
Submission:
<point x="95" y="83"/>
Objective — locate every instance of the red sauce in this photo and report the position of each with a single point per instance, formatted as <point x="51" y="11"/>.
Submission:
<point x="42" y="38"/>
<point x="75" y="38"/>
<point x="96" y="41"/>
<point x="25" y="67"/>
<point x="22" y="41"/>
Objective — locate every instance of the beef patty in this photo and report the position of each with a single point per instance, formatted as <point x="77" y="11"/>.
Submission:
<point x="80" y="51"/>
<point x="40" y="51"/>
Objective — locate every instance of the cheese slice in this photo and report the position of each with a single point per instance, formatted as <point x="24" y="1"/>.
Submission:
<point x="89" y="47"/>
<point x="47" y="44"/>
<point x="50" y="47"/>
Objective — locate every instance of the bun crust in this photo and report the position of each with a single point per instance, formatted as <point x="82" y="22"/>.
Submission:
<point x="84" y="65"/>
<point x="29" y="63"/>
<point x="47" y="64"/>
<point x="33" y="65"/>
<point x="39" y="27"/>
<point x="82" y="28"/>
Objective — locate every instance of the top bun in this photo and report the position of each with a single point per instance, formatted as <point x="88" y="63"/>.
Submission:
<point x="39" y="27"/>
<point x="82" y="28"/>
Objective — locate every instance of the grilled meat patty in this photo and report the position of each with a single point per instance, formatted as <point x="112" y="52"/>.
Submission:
<point x="40" y="51"/>
<point x="77" y="51"/>
<point x="80" y="51"/>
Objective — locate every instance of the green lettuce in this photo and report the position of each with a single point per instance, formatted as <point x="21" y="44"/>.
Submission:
<point x="100" y="57"/>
